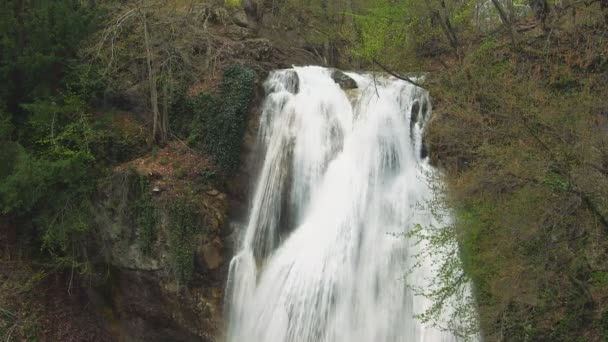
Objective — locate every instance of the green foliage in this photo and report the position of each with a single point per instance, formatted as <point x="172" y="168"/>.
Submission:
<point x="117" y="138"/>
<point x="190" y="114"/>
<point x="227" y="125"/>
<point x="14" y="328"/>
<point x="403" y="34"/>
<point x="37" y="41"/>
<point x="52" y="150"/>
<point x="392" y="32"/>
<point x="216" y="123"/>
<point x="48" y="171"/>
<point x="517" y="131"/>
<point x="522" y="166"/>
<point x="143" y="214"/>
<point x="56" y="160"/>
<point x="232" y="3"/>
<point x="32" y="179"/>
<point x="184" y="224"/>
<point x="6" y="127"/>
<point x="453" y="305"/>
<point x="51" y="174"/>
<point x="380" y="28"/>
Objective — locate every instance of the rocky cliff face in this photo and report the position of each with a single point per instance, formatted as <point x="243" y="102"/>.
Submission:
<point x="163" y="282"/>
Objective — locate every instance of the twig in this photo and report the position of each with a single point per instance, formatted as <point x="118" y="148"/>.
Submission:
<point x="183" y="143"/>
<point x="401" y="77"/>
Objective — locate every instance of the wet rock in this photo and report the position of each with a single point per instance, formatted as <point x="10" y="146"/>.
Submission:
<point x="142" y="289"/>
<point x="425" y="108"/>
<point x="343" y="80"/>
<point x="415" y="112"/>
<point x="211" y="255"/>
<point x="424" y="151"/>
<point x="293" y="84"/>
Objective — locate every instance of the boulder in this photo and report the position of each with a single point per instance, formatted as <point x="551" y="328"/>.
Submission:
<point x="140" y="287"/>
<point x="293" y="84"/>
<point x="213" y="192"/>
<point x="424" y="151"/>
<point x="343" y="80"/>
<point x="236" y="32"/>
<point x="240" y="18"/>
<point x="211" y="255"/>
<point x="425" y="109"/>
<point x="259" y="49"/>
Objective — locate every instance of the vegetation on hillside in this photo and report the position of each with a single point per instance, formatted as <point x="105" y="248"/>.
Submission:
<point x="88" y="86"/>
<point x="70" y="67"/>
<point x="519" y="131"/>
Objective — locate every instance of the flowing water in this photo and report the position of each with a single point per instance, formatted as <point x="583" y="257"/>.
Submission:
<point x="343" y="173"/>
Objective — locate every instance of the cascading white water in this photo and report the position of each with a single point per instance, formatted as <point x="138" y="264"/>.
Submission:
<point x="343" y="174"/>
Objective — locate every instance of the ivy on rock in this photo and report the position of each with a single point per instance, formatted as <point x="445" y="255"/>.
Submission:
<point x="184" y="224"/>
<point x="215" y="123"/>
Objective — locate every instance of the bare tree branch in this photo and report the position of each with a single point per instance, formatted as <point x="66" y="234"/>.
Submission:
<point x="392" y="73"/>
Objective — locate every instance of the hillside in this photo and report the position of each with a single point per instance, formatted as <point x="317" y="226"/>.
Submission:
<point x="127" y="144"/>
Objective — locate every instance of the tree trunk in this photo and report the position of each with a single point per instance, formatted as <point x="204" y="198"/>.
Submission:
<point x="448" y="26"/>
<point x="327" y="45"/>
<point x="445" y="24"/>
<point x="167" y="94"/>
<point x="540" y="9"/>
<point x="512" y="14"/>
<point x="157" y="132"/>
<point x="349" y="23"/>
<point x="14" y="101"/>
<point x="505" y="20"/>
<point x="604" y="7"/>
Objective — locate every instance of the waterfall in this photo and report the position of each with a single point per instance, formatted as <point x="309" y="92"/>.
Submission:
<point x="343" y="174"/>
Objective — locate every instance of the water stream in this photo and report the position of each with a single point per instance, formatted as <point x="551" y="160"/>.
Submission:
<point x="343" y="173"/>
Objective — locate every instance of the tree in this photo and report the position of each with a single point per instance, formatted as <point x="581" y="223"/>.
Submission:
<point x="38" y="40"/>
<point x="159" y="130"/>
<point x="153" y="47"/>
<point x="541" y="10"/>
<point x="506" y="20"/>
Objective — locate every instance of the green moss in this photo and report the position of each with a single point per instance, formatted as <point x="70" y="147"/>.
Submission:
<point x="215" y="123"/>
<point x="232" y="3"/>
<point x="116" y="138"/>
<point x="184" y="224"/>
<point x="143" y="214"/>
<point x="224" y="137"/>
